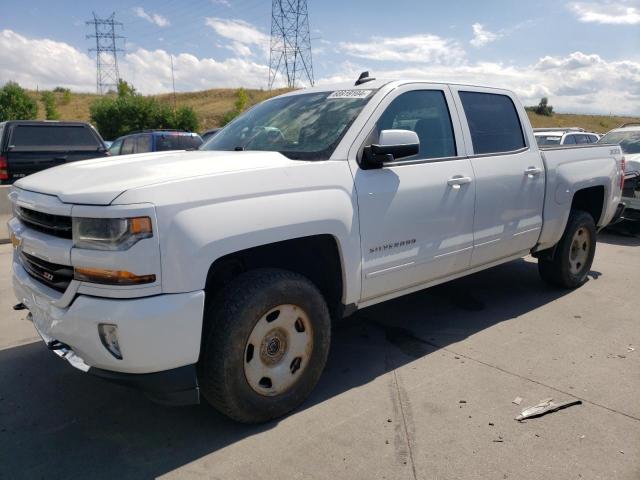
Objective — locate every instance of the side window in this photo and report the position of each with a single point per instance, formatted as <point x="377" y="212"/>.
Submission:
<point x="114" y="149"/>
<point x="143" y="143"/>
<point x="592" y="138"/>
<point x="493" y="122"/>
<point x="128" y="145"/>
<point x="569" y="140"/>
<point x="581" y="139"/>
<point x="426" y="113"/>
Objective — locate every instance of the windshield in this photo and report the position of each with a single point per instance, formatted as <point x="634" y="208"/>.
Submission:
<point x="629" y="141"/>
<point x="301" y="127"/>
<point x="548" y="139"/>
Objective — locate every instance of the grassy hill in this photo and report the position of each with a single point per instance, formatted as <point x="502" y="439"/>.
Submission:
<point x="210" y="106"/>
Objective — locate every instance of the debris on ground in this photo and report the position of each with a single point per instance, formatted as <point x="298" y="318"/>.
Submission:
<point x="462" y="401"/>
<point x="630" y="349"/>
<point x="517" y="400"/>
<point x="545" y="406"/>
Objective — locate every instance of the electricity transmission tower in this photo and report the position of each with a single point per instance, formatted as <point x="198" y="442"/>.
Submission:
<point x="106" y="50"/>
<point x="290" y="53"/>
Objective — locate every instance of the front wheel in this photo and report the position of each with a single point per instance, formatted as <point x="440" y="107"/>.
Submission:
<point x="266" y="343"/>
<point x="571" y="262"/>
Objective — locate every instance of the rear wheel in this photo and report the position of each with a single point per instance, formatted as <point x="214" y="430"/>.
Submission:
<point x="571" y="262"/>
<point x="265" y="345"/>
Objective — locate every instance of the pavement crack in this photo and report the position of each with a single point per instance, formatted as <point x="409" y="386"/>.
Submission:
<point x="537" y="382"/>
<point x="404" y="423"/>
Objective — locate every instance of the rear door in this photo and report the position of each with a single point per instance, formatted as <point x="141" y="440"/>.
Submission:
<point x="416" y="214"/>
<point x="38" y="146"/>
<point x="509" y="174"/>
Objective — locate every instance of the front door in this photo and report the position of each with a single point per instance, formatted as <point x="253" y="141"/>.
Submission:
<point x="416" y="214"/>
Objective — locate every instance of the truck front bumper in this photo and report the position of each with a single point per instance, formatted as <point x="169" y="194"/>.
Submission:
<point x="158" y="336"/>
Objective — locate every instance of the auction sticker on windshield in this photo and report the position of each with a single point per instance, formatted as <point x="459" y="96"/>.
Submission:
<point x="350" y="94"/>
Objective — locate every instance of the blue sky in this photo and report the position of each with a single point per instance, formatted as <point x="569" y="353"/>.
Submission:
<point x="584" y="55"/>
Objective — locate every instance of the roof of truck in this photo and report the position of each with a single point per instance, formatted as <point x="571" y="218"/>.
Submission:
<point x="376" y="83"/>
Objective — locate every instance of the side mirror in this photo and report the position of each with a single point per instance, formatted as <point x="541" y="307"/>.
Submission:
<point x="392" y="145"/>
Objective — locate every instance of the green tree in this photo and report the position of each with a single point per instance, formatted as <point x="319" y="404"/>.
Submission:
<point x="16" y="104"/>
<point x="544" y="108"/>
<point x="49" y="100"/>
<point x="125" y="89"/>
<point x="242" y="100"/>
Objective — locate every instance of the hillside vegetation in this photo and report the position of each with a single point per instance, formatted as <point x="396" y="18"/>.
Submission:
<point x="211" y="105"/>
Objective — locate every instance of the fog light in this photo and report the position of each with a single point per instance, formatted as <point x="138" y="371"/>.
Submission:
<point x="109" y="338"/>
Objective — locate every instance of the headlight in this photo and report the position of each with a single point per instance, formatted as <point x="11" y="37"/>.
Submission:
<point x="110" y="233"/>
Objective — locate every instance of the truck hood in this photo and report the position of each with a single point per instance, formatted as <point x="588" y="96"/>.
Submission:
<point x="100" y="181"/>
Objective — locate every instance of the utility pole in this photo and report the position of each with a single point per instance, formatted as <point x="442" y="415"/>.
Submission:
<point x="173" y="81"/>
<point x="290" y="52"/>
<point x="106" y="49"/>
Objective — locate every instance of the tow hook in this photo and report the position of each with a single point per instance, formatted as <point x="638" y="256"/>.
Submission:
<point x="19" y="306"/>
<point x="57" y="345"/>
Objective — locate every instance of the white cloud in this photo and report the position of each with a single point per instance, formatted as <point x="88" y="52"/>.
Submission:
<point x="46" y="64"/>
<point x="611" y="13"/>
<point x="413" y="49"/>
<point x="481" y="36"/>
<point x="577" y="83"/>
<point x="225" y="3"/>
<point x="154" y="18"/>
<point x="243" y="35"/>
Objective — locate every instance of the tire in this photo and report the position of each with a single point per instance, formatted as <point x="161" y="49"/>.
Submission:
<point x="262" y="304"/>
<point x="571" y="262"/>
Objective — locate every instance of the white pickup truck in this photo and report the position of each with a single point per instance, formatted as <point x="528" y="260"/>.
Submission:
<point x="217" y="272"/>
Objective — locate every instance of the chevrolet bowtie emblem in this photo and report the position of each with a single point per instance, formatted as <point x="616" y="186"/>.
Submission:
<point x="16" y="241"/>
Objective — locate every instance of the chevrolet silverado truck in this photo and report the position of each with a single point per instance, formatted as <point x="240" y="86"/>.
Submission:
<point x="217" y="273"/>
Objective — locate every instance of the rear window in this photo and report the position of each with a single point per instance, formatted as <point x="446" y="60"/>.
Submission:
<point x="177" y="142"/>
<point x="493" y="122"/>
<point x="73" y="137"/>
<point x="548" y="139"/>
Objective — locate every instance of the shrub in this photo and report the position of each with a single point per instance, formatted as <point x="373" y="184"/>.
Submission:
<point x="16" y="104"/>
<point x="242" y="100"/>
<point x="49" y="100"/>
<point x="130" y="111"/>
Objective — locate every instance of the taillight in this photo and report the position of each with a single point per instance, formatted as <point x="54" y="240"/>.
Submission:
<point x="623" y="166"/>
<point x="4" y="174"/>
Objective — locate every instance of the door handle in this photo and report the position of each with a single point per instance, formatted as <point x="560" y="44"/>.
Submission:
<point x="532" y="172"/>
<point x="457" y="181"/>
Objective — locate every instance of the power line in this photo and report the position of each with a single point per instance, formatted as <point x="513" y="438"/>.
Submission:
<point x="290" y="52"/>
<point x="107" y="74"/>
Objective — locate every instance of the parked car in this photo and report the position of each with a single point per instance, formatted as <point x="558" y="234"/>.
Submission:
<point x="628" y="137"/>
<point x="215" y="273"/>
<point x="29" y="146"/>
<point x="155" y="141"/>
<point x="207" y="134"/>
<point x="564" y="136"/>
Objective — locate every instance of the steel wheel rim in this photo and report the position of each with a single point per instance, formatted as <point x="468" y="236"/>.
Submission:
<point x="579" y="251"/>
<point x="278" y="350"/>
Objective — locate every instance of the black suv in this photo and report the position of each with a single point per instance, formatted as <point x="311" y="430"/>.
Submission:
<point x="29" y="146"/>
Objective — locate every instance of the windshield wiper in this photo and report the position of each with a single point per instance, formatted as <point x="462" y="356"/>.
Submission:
<point x="238" y="149"/>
